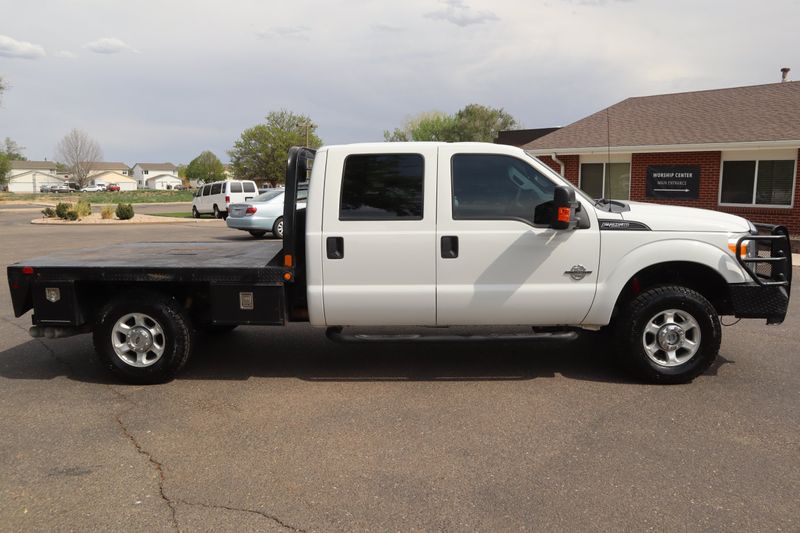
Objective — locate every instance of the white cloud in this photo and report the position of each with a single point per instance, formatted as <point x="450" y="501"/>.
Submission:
<point x="65" y="54"/>
<point x="460" y="14"/>
<point x="10" y="47"/>
<point x="109" y="45"/>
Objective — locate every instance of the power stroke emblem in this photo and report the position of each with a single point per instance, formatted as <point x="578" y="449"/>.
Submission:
<point x="578" y="272"/>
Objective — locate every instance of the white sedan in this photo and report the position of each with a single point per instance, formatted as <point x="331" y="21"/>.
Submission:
<point x="94" y="188"/>
<point x="262" y="214"/>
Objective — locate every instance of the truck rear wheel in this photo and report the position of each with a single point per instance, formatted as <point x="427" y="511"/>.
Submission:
<point x="143" y="338"/>
<point x="669" y="334"/>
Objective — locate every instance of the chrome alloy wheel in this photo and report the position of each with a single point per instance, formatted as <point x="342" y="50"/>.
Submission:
<point x="671" y="337"/>
<point x="138" y="340"/>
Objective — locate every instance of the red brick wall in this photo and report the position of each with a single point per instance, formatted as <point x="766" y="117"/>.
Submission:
<point x="709" y="163"/>
<point x="571" y="164"/>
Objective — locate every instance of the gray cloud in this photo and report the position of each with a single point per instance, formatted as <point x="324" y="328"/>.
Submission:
<point x="459" y="13"/>
<point x="109" y="45"/>
<point x="289" y="32"/>
<point x="10" y="47"/>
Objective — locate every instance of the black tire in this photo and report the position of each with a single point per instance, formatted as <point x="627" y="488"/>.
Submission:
<point x="277" y="228"/>
<point x="216" y="329"/>
<point x="647" y="309"/>
<point x="257" y="233"/>
<point x="195" y="212"/>
<point x="175" y="338"/>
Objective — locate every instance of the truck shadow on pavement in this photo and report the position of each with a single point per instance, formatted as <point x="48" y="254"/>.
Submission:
<point x="306" y="354"/>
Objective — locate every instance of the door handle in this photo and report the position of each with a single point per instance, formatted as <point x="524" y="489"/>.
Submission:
<point x="335" y="247"/>
<point x="449" y="247"/>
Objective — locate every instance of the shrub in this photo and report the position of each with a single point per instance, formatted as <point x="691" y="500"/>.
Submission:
<point x="49" y="212"/>
<point x="84" y="209"/>
<point x="72" y="215"/>
<point x="107" y="213"/>
<point x="124" y="211"/>
<point x="61" y="209"/>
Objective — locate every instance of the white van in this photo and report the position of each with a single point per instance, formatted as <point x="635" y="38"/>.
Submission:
<point x="216" y="197"/>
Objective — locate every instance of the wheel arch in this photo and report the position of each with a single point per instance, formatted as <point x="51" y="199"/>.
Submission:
<point x="694" y="264"/>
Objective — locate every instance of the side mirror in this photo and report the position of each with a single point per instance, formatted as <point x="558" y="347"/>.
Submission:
<point x="564" y="205"/>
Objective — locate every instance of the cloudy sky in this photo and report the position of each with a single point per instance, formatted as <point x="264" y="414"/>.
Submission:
<point x="163" y="80"/>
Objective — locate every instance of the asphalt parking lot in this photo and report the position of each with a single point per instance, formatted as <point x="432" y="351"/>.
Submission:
<point x="281" y="430"/>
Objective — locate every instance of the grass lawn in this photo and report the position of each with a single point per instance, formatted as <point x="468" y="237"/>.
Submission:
<point x="127" y="197"/>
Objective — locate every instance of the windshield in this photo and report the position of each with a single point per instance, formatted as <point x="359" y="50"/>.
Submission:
<point x="267" y="196"/>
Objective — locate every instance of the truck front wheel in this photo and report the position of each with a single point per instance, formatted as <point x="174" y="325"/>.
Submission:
<point x="143" y="338"/>
<point x="669" y="334"/>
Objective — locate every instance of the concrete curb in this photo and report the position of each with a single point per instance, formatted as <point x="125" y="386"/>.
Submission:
<point x="151" y="219"/>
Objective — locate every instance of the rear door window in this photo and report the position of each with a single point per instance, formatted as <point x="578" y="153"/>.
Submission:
<point x="249" y="186"/>
<point x="382" y="187"/>
<point x="236" y="186"/>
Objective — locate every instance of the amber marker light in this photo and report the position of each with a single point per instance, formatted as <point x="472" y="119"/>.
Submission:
<point x="287" y="261"/>
<point x="563" y="214"/>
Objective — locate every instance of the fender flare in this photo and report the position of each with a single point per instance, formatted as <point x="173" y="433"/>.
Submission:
<point x="610" y="285"/>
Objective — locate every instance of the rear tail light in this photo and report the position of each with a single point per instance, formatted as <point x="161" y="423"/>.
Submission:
<point x="27" y="270"/>
<point x="250" y="210"/>
<point x="227" y="199"/>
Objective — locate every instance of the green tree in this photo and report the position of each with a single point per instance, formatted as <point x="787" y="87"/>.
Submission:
<point x="205" y="168"/>
<point x="428" y="126"/>
<point x="5" y="166"/>
<point x="480" y="123"/>
<point x="12" y="150"/>
<point x="474" y="122"/>
<point x="261" y="152"/>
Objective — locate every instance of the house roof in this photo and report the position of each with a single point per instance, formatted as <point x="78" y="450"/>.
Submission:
<point x="521" y="137"/>
<point x="108" y="174"/>
<point x="162" y="176"/>
<point x="35" y="171"/>
<point x="740" y="114"/>
<point x="109" y="165"/>
<point x="33" y="165"/>
<point x="156" y="166"/>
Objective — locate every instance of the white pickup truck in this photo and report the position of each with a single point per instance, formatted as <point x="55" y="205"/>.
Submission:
<point x="427" y="234"/>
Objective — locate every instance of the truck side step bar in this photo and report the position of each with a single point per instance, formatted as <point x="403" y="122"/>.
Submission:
<point x="336" y="334"/>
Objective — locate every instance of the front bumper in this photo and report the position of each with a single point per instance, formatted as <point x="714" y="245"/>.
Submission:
<point x="767" y="296"/>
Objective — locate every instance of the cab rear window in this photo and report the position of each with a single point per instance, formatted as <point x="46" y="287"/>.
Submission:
<point x="382" y="187"/>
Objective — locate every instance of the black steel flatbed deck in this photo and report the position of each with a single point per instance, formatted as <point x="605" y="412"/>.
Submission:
<point x="253" y="262"/>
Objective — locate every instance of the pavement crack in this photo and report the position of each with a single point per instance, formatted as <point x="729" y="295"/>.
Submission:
<point x="243" y="510"/>
<point x="157" y="465"/>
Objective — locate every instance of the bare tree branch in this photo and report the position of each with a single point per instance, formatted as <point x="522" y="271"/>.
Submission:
<point x="79" y="153"/>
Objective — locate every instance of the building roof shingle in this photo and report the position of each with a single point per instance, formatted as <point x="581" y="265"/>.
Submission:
<point x="33" y="165"/>
<point x="741" y="114"/>
<point x="109" y="165"/>
<point x="157" y="166"/>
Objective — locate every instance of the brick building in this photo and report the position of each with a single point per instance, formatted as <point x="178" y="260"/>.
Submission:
<point x="733" y="150"/>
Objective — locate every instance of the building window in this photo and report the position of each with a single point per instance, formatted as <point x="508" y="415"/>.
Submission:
<point x="498" y="187"/>
<point x="606" y="180"/>
<point x="382" y="187"/>
<point x="762" y="182"/>
<point x="147" y="172"/>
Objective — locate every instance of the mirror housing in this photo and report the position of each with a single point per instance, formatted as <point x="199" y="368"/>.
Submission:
<point x="564" y="206"/>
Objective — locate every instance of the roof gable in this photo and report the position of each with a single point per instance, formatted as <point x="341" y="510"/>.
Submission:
<point x="156" y="166"/>
<point x="741" y="114"/>
<point x="33" y="165"/>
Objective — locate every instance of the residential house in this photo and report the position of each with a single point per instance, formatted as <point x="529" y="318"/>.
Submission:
<point x="155" y="175"/>
<point x="109" y="177"/>
<point x="29" y="176"/>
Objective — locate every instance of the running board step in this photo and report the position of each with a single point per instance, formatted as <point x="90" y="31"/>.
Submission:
<point x="336" y="334"/>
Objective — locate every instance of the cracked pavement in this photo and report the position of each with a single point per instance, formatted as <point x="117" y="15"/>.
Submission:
<point x="273" y="429"/>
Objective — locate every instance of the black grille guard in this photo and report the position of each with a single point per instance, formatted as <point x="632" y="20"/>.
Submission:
<point x="776" y="239"/>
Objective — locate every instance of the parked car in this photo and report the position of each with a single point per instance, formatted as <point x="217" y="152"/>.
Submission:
<point x="216" y="197"/>
<point x="67" y="187"/>
<point x="263" y="214"/>
<point x="47" y="188"/>
<point x="112" y="187"/>
<point x="94" y="188"/>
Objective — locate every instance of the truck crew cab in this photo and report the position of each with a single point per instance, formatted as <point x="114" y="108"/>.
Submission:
<point x="427" y="234"/>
